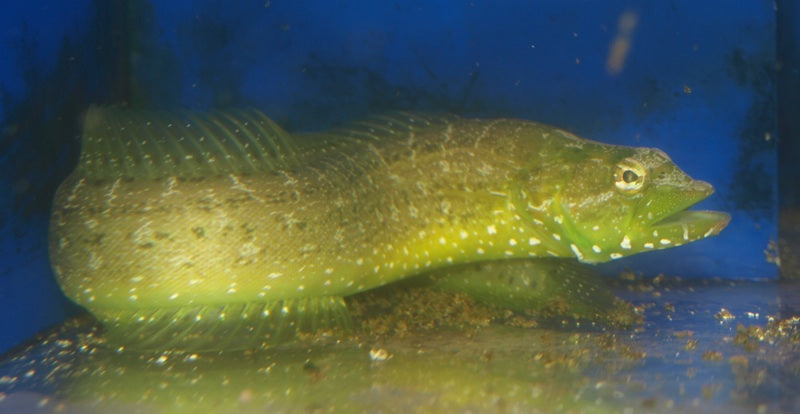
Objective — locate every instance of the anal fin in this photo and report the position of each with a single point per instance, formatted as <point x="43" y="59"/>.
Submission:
<point x="225" y="326"/>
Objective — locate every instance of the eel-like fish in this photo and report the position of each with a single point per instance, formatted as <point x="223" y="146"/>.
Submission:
<point x="222" y="230"/>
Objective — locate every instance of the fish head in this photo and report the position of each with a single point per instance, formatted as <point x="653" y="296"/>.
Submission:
<point x="605" y="202"/>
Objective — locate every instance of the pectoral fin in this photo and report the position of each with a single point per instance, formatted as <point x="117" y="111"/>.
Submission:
<point x="548" y="287"/>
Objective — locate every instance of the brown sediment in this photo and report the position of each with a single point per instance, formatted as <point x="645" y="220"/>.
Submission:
<point x="400" y="311"/>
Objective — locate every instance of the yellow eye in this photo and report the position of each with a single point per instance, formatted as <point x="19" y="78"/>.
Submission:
<point x="630" y="175"/>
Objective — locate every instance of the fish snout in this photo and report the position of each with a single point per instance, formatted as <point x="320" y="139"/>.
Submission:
<point x="701" y="187"/>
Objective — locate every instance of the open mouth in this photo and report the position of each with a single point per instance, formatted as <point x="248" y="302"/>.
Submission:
<point x="688" y="225"/>
<point x="693" y="225"/>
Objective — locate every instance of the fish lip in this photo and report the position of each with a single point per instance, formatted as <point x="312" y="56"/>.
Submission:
<point x="711" y="217"/>
<point x="689" y="225"/>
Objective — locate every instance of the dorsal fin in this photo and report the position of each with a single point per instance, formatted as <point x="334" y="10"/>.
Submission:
<point x="394" y="124"/>
<point x="145" y="144"/>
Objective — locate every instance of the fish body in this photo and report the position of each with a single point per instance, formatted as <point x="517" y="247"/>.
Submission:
<point x="178" y="223"/>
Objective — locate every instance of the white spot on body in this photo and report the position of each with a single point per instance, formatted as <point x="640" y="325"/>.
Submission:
<point x="512" y="242"/>
<point x="463" y="234"/>
<point x="596" y="248"/>
<point x="491" y="229"/>
<point x="665" y="242"/>
<point x="625" y="243"/>
<point x="615" y="256"/>
<point x="648" y="245"/>
<point x="685" y="231"/>
<point x="556" y="236"/>
<point x="379" y="354"/>
<point x="533" y="241"/>
<point x="576" y="250"/>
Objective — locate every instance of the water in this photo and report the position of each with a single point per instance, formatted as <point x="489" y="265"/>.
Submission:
<point x="719" y="332"/>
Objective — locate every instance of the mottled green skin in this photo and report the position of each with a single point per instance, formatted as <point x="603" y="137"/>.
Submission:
<point x="364" y="208"/>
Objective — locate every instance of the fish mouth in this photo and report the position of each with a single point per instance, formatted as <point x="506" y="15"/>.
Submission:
<point x="694" y="224"/>
<point x="686" y="225"/>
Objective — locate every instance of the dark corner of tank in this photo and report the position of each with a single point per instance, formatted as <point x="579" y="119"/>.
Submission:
<point x="788" y="99"/>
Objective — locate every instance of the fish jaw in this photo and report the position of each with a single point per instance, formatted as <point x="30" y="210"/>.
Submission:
<point x="688" y="226"/>
<point x="678" y="225"/>
<point x="671" y="225"/>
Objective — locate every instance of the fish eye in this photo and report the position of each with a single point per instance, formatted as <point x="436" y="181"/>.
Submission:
<point x="630" y="175"/>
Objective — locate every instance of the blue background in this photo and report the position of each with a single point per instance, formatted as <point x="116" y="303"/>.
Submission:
<point x="698" y="82"/>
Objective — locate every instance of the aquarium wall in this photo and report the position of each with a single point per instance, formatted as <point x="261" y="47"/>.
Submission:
<point x="695" y="79"/>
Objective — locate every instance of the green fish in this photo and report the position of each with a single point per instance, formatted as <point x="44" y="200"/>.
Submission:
<point x="222" y="230"/>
